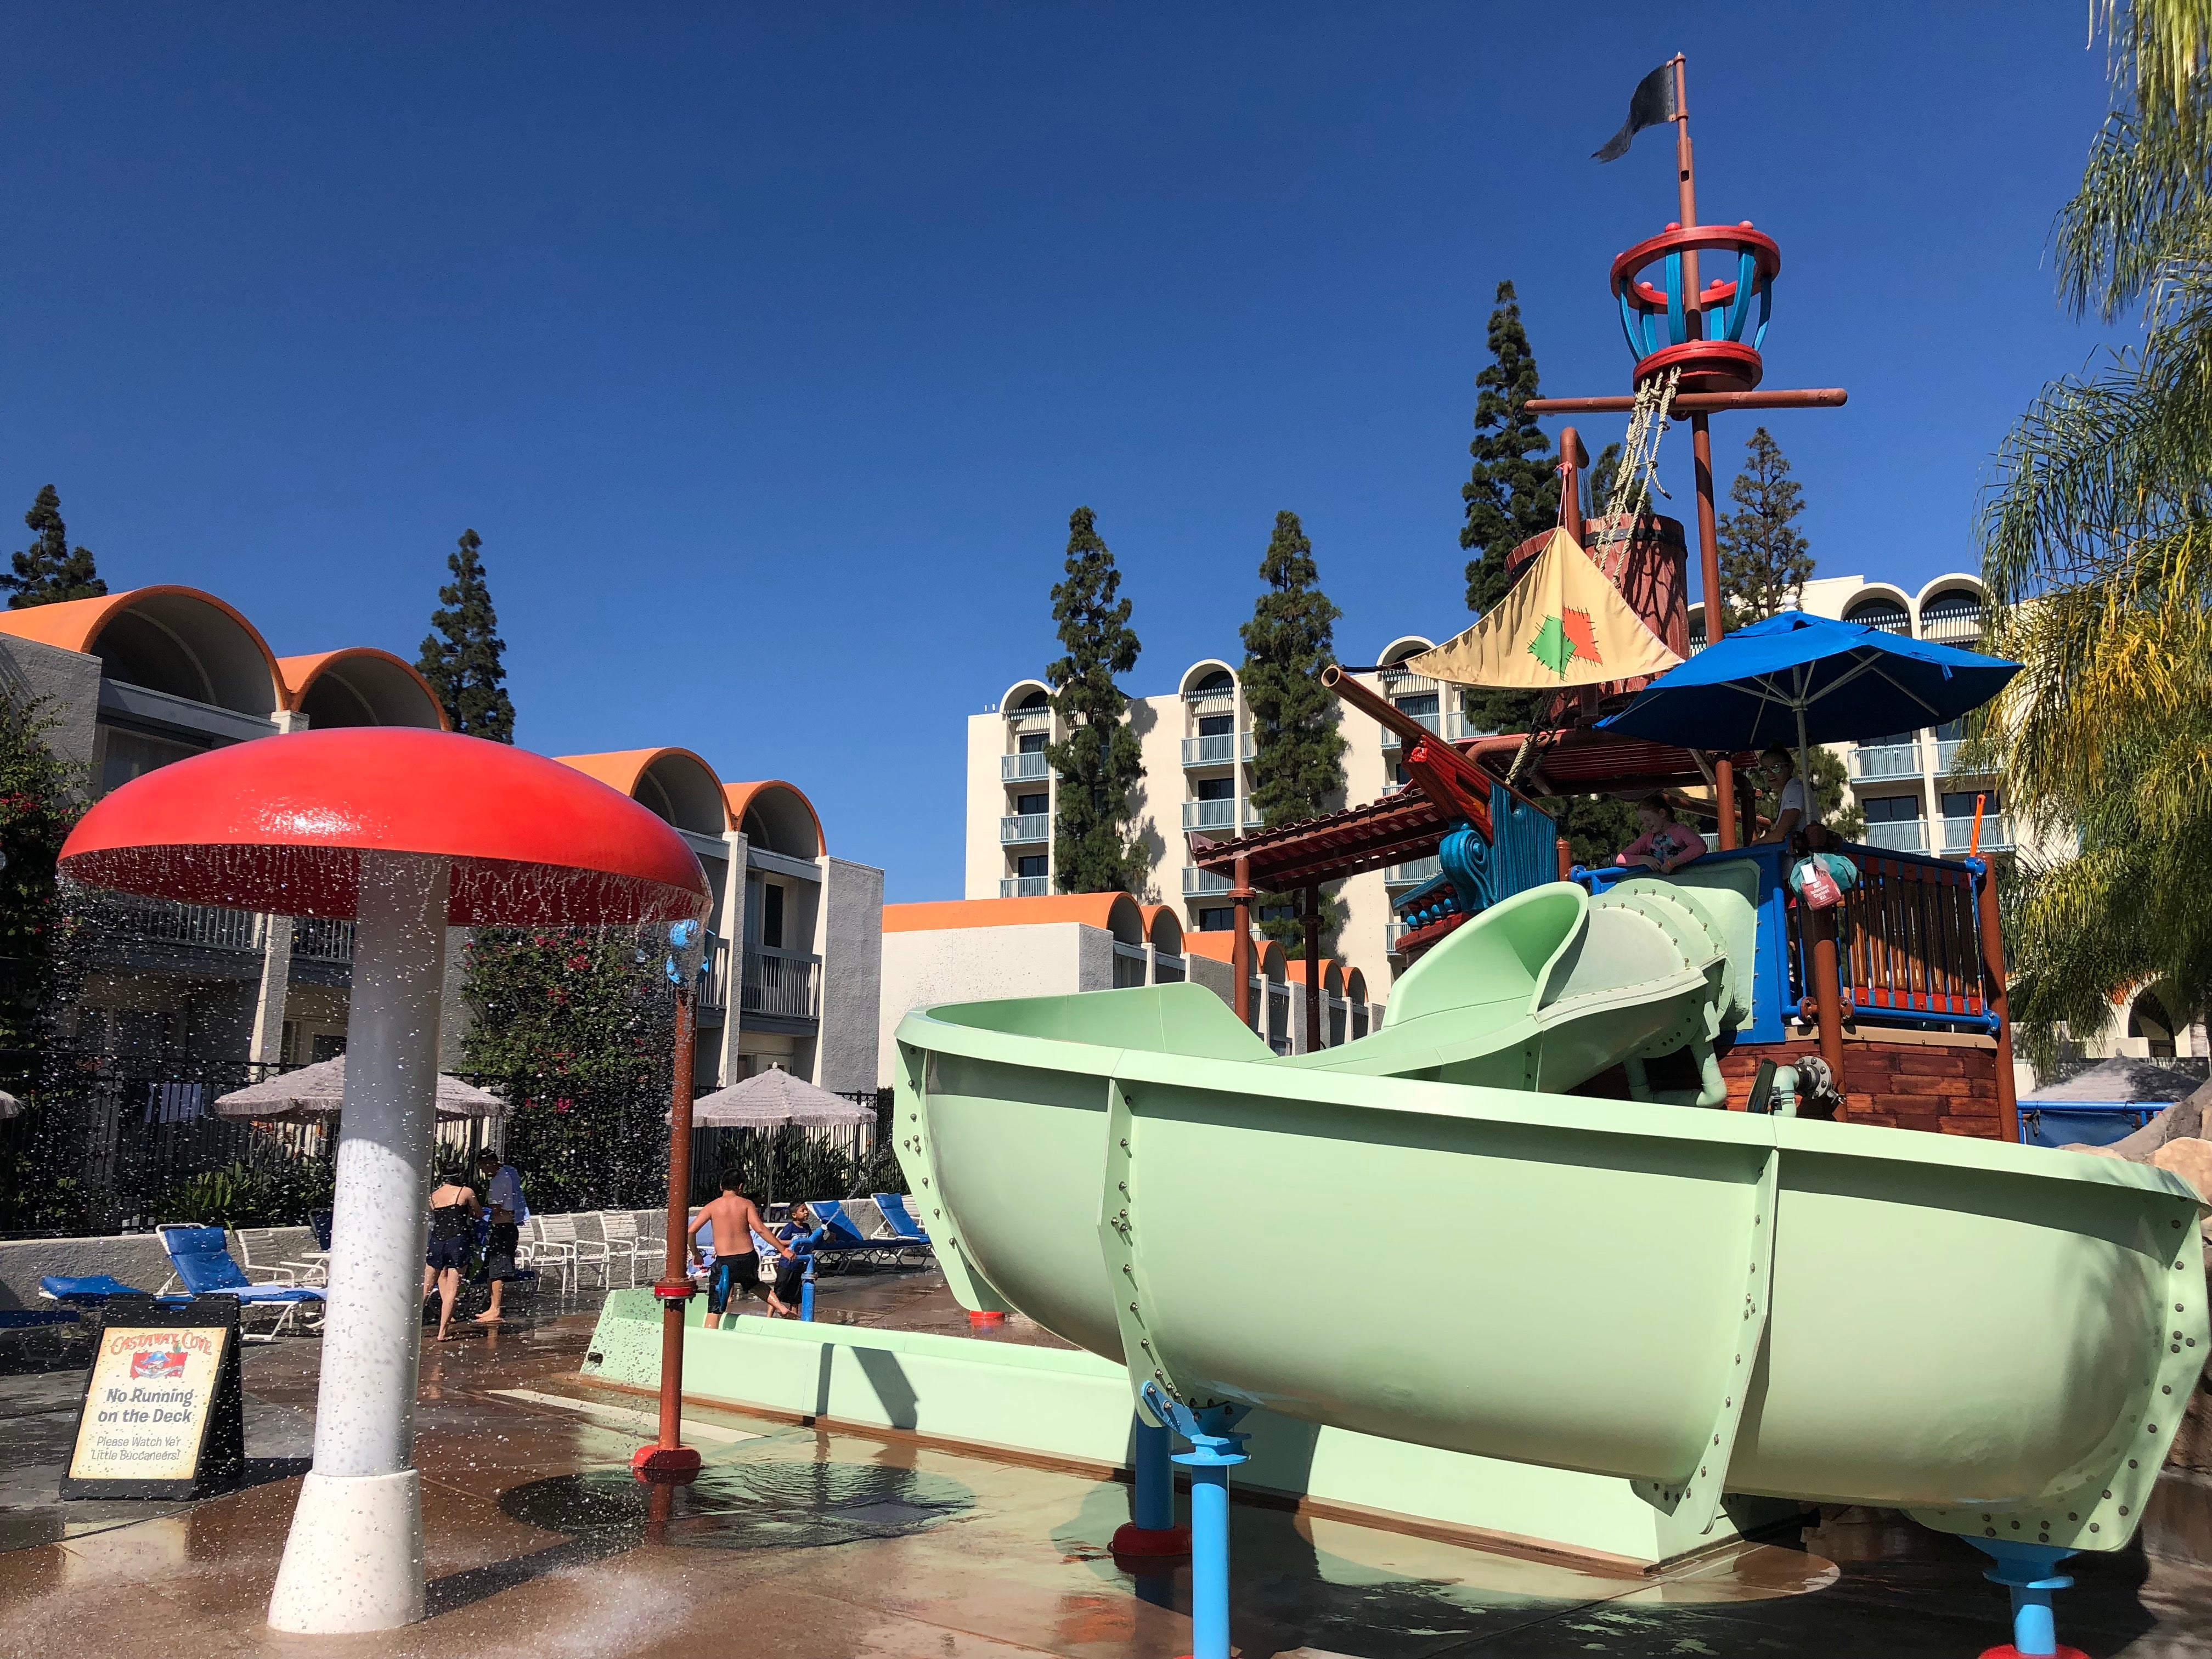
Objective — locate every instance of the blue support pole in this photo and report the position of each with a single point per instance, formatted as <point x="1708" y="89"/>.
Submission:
<point x="1214" y="1451"/>
<point x="1151" y="1532"/>
<point x="807" y="1292"/>
<point x="2030" y="1575"/>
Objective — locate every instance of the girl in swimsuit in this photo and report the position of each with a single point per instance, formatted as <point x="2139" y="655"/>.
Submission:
<point x="452" y="1224"/>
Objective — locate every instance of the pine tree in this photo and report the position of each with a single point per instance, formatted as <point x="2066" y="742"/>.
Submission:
<point x="50" y="569"/>
<point x="1765" y="561"/>
<point x="1298" y="750"/>
<point x="1099" y="763"/>
<point x="463" y="666"/>
<point x="1603" y="472"/>
<point x="1512" y="492"/>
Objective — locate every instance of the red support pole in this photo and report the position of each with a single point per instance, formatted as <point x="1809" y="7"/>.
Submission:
<point x="1709" y="578"/>
<point x="1316" y="1037"/>
<point x="1995" y="999"/>
<point x="669" y="1458"/>
<point x="1240" y="948"/>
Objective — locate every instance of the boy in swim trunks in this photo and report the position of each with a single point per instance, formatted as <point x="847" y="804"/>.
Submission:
<point x="736" y="1220"/>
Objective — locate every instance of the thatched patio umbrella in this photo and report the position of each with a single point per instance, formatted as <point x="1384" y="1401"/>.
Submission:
<point x="770" y="1099"/>
<point x="316" y="1092"/>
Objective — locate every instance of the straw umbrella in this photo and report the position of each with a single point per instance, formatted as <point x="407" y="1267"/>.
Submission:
<point x="315" y="1093"/>
<point x="407" y="832"/>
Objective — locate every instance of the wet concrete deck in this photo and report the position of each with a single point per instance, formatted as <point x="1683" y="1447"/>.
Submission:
<point x="797" y="1542"/>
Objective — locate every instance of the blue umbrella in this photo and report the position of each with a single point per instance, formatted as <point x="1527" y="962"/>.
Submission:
<point x="1813" y="679"/>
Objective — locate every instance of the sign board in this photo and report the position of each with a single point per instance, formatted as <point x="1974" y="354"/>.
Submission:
<point x="163" y="1413"/>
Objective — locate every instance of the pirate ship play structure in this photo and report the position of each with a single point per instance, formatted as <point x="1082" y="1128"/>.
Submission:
<point x="1900" y="998"/>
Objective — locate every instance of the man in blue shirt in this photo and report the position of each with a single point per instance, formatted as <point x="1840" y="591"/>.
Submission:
<point x="509" y="1210"/>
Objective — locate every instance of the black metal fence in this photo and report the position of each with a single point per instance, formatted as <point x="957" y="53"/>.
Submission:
<point x="107" y="1144"/>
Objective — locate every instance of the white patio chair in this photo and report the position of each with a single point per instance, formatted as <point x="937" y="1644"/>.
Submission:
<point x="619" y="1228"/>
<point x="257" y="1252"/>
<point x="537" y="1248"/>
<point x="561" y="1231"/>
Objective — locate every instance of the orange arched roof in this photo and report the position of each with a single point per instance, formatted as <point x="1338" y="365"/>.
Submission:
<point x="1153" y="913"/>
<point x="1092" y="909"/>
<point x="621" y="768"/>
<point x="76" y="624"/>
<point x="1295" y="972"/>
<point x="1218" y="944"/>
<point x="299" y="674"/>
<point x="740" y="796"/>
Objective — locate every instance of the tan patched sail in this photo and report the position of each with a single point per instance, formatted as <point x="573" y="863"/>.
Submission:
<point x="1562" y="623"/>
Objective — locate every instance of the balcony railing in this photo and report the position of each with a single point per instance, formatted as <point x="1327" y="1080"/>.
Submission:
<point x="1413" y="873"/>
<point x="1024" y="886"/>
<point x="1392" y="741"/>
<point x="780" y="984"/>
<point x="315" y="939"/>
<point x="1902" y="836"/>
<point x="205" y="925"/>
<point x="1022" y="769"/>
<point x="1022" y="827"/>
<point x="1392" y="931"/>
<point x="1962" y="626"/>
<point x="1204" y="884"/>
<point x="1947" y="758"/>
<point x="1871" y="761"/>
<point x="1997" y="833"/>
<point x="1219" y="748"/>
<point x="1403" y="682"/>
<point x="1212" y="814"/>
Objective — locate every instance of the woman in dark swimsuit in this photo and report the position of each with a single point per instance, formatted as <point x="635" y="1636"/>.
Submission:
<point x="452" y="1224"/>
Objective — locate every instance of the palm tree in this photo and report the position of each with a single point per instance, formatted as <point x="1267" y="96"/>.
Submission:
<point x="2097" y="549"/>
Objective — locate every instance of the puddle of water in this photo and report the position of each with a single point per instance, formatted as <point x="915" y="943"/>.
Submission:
<point x="746" y="1505"/>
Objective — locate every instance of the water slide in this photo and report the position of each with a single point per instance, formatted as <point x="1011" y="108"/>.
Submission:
<point x="1997" y="1338"/>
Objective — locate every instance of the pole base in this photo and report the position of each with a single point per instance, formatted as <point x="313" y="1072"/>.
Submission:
<point x="983" y="1318"/>
<point x="1130" y="1539"/>
<point x="669" y="1463"/>
<point x="353" y="1561"/>
<point x="2006" y="1651"/>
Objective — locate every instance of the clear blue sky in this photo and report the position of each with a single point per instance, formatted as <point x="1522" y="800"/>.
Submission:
<point x="769" y="348"/>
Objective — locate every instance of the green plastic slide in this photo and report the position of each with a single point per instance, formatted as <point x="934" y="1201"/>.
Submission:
<point x="2000" y="1339"/>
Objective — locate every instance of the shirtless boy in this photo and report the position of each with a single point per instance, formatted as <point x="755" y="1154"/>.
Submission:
<point x="735" y="1220"/>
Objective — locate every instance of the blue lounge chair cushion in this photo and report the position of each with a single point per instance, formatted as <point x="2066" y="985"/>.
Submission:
<point x="92" y="1289"/>
<point x="895" y="1211"/>
<point x="201" y="1256"/>
<point x="838" y="1233"/>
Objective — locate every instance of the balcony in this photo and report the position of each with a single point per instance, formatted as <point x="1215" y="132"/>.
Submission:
<point x="1414" y="873"/>
<point x="1947" y="759"/>
<point x="1997" y="833"/>
<point x="1905" y="835"/>
<point x="780" y="984"/>
<point x="1391" y="742"/>
<point x="1024" y="886"/>
<point x="1222" y="748"/>
<point x="1215" y="815"/>
<point x="1023" y="827"/>
<point x="1204" y="884"/>
<point x="1022" y="769"/>
<point x="1392" y="931"/>
<point x="1873" y="761"/>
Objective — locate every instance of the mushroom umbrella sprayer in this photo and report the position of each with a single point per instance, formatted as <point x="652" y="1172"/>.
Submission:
<point x="406" y="832"/>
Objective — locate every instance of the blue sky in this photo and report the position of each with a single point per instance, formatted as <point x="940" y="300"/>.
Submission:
<point x="769" y="348"/>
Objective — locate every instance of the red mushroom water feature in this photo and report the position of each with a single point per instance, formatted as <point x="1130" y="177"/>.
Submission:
<point x="405" y="832"/>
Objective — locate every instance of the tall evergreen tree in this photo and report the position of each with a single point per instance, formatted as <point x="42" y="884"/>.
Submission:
<point x="1766" y="561"/>
<point x="1603" y="473"/>
<point x="50" y="569"/>
<point x="1298" y="750"/>
<point x="1099" y="763"/>
<point x="461" y="655"/>
<point x="1511" y="493"/>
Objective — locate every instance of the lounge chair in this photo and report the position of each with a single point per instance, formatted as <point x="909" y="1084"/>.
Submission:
<point x="845" y="1238"/>
<point x="913" y="1242"/>
<point x="200" y="1260"/>
<point x="265" y="1242"/>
